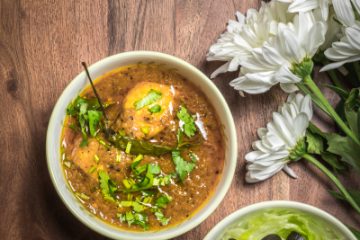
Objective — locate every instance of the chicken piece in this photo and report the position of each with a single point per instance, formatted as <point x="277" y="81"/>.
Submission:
<point x="147" y="109"/>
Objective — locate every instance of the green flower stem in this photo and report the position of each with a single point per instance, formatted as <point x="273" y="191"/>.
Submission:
<point x="306" y="91"/>
<point x="330" y="110"/>
<point x="334" y="179"/>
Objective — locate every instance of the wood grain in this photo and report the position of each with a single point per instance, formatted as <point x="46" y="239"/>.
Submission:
<point x="41" y="46"/>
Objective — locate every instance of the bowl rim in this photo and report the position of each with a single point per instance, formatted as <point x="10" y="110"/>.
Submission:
<point x="215" y="232"/>
<point x="208" y="208"/>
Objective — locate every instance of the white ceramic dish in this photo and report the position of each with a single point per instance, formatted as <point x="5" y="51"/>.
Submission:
<point x="100" y="68"/>
<point x="220" y="228"/>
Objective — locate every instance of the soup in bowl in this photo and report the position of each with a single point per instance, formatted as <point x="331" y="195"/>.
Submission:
<point x="151" y="156"/>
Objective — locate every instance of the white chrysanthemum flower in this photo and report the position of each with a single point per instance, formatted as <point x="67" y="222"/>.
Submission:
<point x="294" y="44"/>
<point x="309" y="5"/>
<point x="246" y="34"/>
<point x="281" y="141"/>
<point x="348" y="48"/>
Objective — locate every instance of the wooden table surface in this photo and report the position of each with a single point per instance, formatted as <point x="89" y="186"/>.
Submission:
<point x="41" y="46"/>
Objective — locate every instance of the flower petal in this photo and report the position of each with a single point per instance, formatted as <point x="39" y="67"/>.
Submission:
<point x="303" y="5"/>
<point x="289" y="171"/>
<point x="344" y="12"/>
<point x="300" y="125"/>
<point x="339" y="64"/>
<point x="253" y="83"/>
<point x="289" y="87"/>
<point x="257" y="176"/>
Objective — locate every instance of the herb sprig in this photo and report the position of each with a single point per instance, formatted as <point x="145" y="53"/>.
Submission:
<point x="88" y="116"/>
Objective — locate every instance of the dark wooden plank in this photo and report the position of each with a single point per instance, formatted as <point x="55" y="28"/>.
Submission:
<point x="41" y="46"/>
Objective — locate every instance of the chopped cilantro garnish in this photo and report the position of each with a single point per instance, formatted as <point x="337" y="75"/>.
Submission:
<point x="194" y="158"/>
<point x="96" y="158"/>
<point x="187" y="123"/>
<point x="107" y="186"/>
<point x="162" y="180"/>
<point x="154" y="169"/>
<point x="145" y="177"/>
<point x="161" y="218"/>
<point x="136" y="206"/>
<point x="118" y="156"/>
<point x="92" y="169"/>
<point x="135" y="218"/>
<point x="145" y="130"/>
<point x="128" y="147"/>
<point x="94" y="120"/>
<point x="151" y="97"/>
<point x="163" y="200"/>
<point x="87" y="113"/>
<point x="67" y="164"/>
<point x="182" y="167"/>
<point x="83" y="196"/>
<point x="155" y="109"/>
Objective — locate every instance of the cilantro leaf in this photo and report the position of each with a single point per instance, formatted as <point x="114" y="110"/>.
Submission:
<point x="187" y="123"/>
<point x="135" y="218"/>
<point x="137" y="206"/>
<point x="194" y="158"/>
<point x="182" y="167"/>
<point x="163" y="200"/>
<point x="107" y="186"/>
<point x="151" y="97"/>
<point x="161" y="217"/>
<point x="88" y="116"/>
<point x="94" y="120"/>
<point x="155" y="109"/>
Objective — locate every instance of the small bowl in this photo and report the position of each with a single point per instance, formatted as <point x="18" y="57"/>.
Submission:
<point x="228" y="221"/>
<point x="102" y="67"/>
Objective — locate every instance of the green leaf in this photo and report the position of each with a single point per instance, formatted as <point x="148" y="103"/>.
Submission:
<point x="182" y="167"/>
<point x="161" y="217"/>
<point x="163" y="201"/>
<point x="107" y="186"/>
<point x="353" y="119"/>
<point x="345" y="148"/>
<point x="333" y="161"/>
<point x="194" y="158"/>
<point x="187" y="123"/>
<point x="340" y="91"/>
<point x="314" y="143"/>
<point x="155" y="109"/>
<point x="352" y="99"/>
<point x="330" y="158"/>
<point x="139" y="146"/>
<point x="136" y="206"/>
<point x="353" y="193"/>
<point x="153" y="168"/>
<point x="87" y="115"/>
<point x="150" y="98"/>
<point x="94" y="120"/>
<point x="139" y="219"/>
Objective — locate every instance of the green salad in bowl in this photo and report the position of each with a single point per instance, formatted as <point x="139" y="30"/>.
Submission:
<point x="280" y="220"/>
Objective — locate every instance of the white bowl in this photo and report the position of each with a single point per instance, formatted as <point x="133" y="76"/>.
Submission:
<point x="100" y="68"/>
<point x="220" y="228"/>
